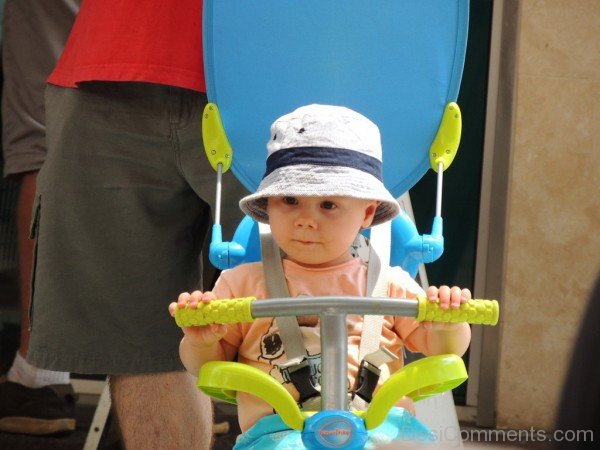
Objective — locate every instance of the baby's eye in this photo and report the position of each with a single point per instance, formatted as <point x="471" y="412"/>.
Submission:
<point x="290" y="200"/>
<point x="328" y="205"/>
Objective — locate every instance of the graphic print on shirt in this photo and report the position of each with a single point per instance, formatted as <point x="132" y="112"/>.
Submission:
<point x="271" y="346"/>
<point x="271" y="350"/>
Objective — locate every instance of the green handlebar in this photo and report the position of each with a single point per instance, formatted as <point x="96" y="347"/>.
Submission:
<point x="217" y="311"/>
<point x="238" y="310"/>
<point x="474" y="311"/>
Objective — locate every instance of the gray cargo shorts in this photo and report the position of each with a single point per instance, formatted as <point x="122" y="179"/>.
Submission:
<point x="123" y="207"/>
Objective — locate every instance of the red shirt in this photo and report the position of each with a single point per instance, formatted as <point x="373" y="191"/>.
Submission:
<point x="155" y="41"/>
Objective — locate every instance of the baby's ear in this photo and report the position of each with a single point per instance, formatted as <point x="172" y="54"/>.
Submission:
<point x="370" y="209"/>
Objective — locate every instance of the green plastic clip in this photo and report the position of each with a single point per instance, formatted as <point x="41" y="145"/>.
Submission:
<point x="445" y="145"/>
<point x="217" y="147"/>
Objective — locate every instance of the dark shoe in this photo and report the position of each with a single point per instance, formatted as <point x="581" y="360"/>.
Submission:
<point x="47" y="410"/>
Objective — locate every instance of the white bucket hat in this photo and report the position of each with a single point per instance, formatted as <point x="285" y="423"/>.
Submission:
<point x="323" y="151"/>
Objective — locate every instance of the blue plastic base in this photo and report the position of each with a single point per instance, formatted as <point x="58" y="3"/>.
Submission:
<point x="271" y="433"/>
<point x="334" y="429"/>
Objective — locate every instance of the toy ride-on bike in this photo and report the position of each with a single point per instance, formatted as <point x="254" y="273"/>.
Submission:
<point x="334" y="425"/>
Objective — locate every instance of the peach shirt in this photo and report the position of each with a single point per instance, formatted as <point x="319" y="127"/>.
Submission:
<point x="259" y="344"/>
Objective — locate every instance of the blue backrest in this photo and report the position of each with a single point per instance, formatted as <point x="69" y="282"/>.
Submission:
<point x="398" y="62"/>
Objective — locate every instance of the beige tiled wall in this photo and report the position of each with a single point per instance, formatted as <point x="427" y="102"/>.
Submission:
<point x="553" y="241"/>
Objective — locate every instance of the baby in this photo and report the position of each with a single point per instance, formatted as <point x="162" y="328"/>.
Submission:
<point x="322" y="185"/>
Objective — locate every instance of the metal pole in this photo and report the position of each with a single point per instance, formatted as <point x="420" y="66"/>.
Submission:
<point x="278" y="307"/>
<point x="218" y="194"/>
<point x="438" y="197"/>
<point x="334" y="360"/>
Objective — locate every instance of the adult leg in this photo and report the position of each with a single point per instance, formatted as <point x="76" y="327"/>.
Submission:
<point x="119" y="232"/>
<point x="174" y="392"/>
<point x="25" y="251"/>
<point x="33" y="36"/>
<point x="32" y="400"/>
<point x="22" y="372"/>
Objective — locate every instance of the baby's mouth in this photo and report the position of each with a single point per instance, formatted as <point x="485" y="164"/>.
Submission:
<point x="305" y="242"/>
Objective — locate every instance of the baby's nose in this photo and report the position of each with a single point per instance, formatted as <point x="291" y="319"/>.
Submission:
<point x="305" y="220"/>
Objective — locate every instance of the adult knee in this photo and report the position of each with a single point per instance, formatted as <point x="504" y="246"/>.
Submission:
<point x="165" y="409"/>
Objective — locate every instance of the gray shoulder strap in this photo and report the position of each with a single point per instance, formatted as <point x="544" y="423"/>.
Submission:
<point x="379" y="257"/>
<point x="378" y="265"/>
<point x="289" y="331"/>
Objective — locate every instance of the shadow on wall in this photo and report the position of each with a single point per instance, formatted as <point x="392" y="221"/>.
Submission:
<point x="579" y="407"/>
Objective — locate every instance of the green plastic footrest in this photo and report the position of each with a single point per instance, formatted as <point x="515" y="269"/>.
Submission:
<point x="222" y="379"/>
<point x="418" y="380"/>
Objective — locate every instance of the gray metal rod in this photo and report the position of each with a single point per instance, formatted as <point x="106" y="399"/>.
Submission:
<point x="438" y="197"/>
<point x="275" y="307"/>
<point x="218" y="194"/>
<point x="334" y="360"/>
<point x="334" y="334"/>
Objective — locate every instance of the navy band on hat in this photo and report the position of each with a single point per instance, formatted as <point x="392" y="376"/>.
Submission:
<point x="323" y="156"/>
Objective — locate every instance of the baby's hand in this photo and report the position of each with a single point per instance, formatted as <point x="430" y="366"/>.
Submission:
<point x="401" y="285"/>
<point x="448" y="297"/>
<point x="202" y="336"/>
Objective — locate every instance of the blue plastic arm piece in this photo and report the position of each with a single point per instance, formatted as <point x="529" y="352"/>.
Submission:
<point x="224" y="255"/>
<point x="247" y="236"/>
<point x="433" y="244"/>
<point x="409" y="248"/>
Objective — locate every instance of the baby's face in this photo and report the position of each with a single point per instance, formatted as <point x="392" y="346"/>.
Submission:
<point x="318" y="231"/>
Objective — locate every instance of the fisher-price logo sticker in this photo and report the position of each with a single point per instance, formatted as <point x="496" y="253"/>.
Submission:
<point x="336" y="432"/>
